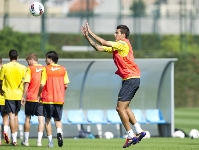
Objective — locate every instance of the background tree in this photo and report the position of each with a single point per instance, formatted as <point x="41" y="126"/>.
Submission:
<point x="138" y="8"/>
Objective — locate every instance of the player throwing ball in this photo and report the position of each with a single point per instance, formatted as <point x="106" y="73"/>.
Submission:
<point x="129" y="72"/>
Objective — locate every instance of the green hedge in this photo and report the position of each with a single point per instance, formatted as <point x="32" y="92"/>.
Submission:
<point x="152" y="46"/>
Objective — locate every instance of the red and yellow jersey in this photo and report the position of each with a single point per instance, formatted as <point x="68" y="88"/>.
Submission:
<point x="33" y="77"/>
<point x="13" y="74"/>
<point x="2" y="99"/>
<point x="124" y="59"/>
<point x="54" y="78"/>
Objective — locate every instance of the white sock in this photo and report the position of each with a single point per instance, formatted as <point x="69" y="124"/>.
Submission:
<point x="26" y="136"/>
<point x="14" y="138"/>
<point x="16" y="134"/>
<point x="130" y="133"/>
<point x="40" y="135"/>
<point x="59" y="130"/>
<point x="137" y="128"/>
<point x="50" y="138"/>
<point x="5" y="128"/>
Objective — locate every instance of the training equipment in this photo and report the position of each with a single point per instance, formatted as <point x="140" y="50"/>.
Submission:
<point x="59" y="140"/>
<point x="141" y="135"/>
<point x="148" y="135"/>
<point x="24" y="143"/>
<point x="6" y="138"/>
<point x="50" y="144"/>
<point x="194" y="134"/>
<point x="108" y="135"/>
<point x="178" y="134"/>
<point x="36" y="9"/>
<point x="130" y="141"/>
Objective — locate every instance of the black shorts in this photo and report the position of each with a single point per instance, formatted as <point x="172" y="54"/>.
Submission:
<point x="12" y="106"/>
<point x="33" y="108"/>
<point x="128" y="89"/>
<point x="53" y="110"/>
<point x="3" y="110"/>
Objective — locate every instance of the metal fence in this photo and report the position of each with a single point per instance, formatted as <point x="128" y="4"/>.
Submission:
<point x="177" y="17"/>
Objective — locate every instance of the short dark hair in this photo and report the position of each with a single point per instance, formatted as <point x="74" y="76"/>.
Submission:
<point x="124" y="30"/>
<point x="52" y="55"/>
<point x="13" y="54"/>
<point x="0" y="60"/>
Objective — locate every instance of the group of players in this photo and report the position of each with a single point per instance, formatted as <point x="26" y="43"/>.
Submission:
<point x="41" y="88"/>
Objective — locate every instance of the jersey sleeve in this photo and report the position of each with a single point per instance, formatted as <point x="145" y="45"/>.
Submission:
<point x="43" y="76"/>
<point x="27" y="75"/>
<point x="66" y="79"/>
<point x="2" y="72"/>
<point x="108" y="49"/>
<point x="121" y="46"/>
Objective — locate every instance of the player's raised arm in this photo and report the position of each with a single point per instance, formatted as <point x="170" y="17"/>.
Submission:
<point x="97" y="38"/>
<point x="94" y="44"/>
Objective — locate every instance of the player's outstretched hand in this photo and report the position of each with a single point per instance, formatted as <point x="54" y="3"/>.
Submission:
<point x="84" y="31"/>
<point x="88" y="28"/>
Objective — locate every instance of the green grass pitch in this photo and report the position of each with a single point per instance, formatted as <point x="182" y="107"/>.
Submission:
<point x="112" y="144"/>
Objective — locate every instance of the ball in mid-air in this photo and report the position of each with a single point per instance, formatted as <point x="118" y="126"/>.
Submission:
<point x="36" y="9"/>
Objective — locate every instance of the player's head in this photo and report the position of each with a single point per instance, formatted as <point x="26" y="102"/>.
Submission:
<point x="122" y="31"/>
<point x="31" y="58"/>
<point x="13" y="54"/>
<point x="51" y="57"/>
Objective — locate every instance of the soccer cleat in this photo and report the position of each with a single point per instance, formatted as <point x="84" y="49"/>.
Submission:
<point x="130" y="141"/>
<point x="24" y="143"/>
<point x="59" y="140"/>
<point x="140" y="135"/>
<point x="39" y="143"/>
<point x="50" y="144"/>
<point x="14" y="143"/>
<point x="6" y="139"/>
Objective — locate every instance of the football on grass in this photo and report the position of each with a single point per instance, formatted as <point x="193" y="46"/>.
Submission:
<point x="108" y="135"/>
<point x="194" y="134"/>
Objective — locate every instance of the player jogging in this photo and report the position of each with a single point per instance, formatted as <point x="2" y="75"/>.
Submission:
<point x="127" y="70"/>
<point x="30" y="98"/>
<point x="4" y="114"/>
<point x="53" y="85"/>
<point x="12" y="75"/>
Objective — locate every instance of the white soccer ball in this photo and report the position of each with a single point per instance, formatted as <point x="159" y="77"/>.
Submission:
<point x="108" y="135"/>
<point x="194" y="133"/>
<point x="178" y="134"/>
<point x="148" y="135"/>
<point x="36" y="9"/>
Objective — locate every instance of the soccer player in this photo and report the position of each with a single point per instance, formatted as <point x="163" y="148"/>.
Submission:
<point x="53" y="85"/>
<point x="30" y="98"/>
<point x="12" y="76"/>
<point x="129" y="72"/>
<point x="4" y="113"/>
